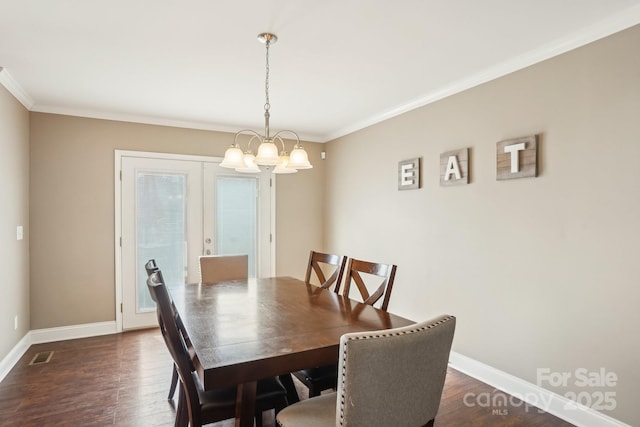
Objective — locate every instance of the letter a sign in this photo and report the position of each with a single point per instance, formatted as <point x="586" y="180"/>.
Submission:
<point x="454" y="167"/>
<point x="517" y="158"/>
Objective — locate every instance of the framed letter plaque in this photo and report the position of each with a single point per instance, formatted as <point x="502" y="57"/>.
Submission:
<point x="409" y="174"/>
<point x="517" y="158"/>
<point x="454" y="167"/>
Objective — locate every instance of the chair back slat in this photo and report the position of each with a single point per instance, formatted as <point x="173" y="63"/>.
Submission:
<point x="362" y="287"/>
<point x="318" y="263"/>
<point x="385" y="271"/>
<point x="318" y="270"/>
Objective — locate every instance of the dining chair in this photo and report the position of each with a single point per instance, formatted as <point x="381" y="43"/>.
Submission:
<point x="390" y="377"/>
<point x="355" y="272"/>
<point x="195" y="405"/>
<point x="320" y="263"/>
<point x="152" y="267"/>
<point x="220" y="268"/>
<point x="322" y="378"/>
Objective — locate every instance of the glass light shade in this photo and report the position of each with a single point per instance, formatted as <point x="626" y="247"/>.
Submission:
<point x="283" y="165"/>
<point x="233" y="158"/>
<point x="299" y="159"/>
<point x="249" y="164"/>
<point x="267" y="154"/>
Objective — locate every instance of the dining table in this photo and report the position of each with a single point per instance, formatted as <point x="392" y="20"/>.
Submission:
<point x="245" y="330"/>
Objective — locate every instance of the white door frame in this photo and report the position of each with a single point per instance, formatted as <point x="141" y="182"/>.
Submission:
<point x="118" y="155"/>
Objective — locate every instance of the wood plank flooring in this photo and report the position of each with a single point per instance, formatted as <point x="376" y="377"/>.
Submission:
<point x="123" y="380"/>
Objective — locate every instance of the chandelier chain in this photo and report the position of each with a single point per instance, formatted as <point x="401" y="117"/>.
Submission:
<point x="266" y="81"/>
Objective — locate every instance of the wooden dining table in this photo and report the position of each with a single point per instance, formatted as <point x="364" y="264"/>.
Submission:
<point x="246" y="330"/>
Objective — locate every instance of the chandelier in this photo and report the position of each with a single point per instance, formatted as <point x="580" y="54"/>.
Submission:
<point x="268" y="154"/>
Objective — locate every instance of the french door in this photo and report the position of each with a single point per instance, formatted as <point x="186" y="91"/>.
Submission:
<point x="174" y="209"/>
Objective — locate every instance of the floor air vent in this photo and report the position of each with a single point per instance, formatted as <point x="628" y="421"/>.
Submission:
<point x="40" y="358"/>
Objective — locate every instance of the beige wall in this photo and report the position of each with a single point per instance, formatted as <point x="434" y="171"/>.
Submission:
<point x="300" y="220"/>
<point x="14" y="199"/>
<point x="72" y="208"/>
<point x="542" y="272"/>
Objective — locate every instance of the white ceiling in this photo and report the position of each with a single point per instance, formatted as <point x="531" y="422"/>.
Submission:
<point x="339" y="65"/>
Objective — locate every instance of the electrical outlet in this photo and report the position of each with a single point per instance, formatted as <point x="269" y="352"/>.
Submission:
<point x="15" y="323"/>
<point x="19" y="232"/>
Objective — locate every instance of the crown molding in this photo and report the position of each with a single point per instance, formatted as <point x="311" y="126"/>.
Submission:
<point x="125" y="117"/>
<point x="15" y="89"/>
<point x="616" y="23"/>
<point x="149" y="120"/>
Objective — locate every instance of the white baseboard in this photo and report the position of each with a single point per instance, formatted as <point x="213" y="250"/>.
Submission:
<point x="39" y="336"/>
<point x="9" y="361"/>
<point x="532" y="394"/>
<point x="62" y="333"/>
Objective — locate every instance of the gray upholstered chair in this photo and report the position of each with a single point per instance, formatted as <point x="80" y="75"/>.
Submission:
<point x="390" y="377"/>
<point x="220" y="268"/>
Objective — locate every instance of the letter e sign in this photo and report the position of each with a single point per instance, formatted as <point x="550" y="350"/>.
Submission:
<point x="517" y="158"/>
<point x="409" y="174"/>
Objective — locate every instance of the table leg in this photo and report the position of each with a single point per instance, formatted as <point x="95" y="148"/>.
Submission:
<point x="246" y="404"/>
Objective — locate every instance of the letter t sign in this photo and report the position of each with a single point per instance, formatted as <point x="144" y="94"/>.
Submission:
<point x="517" y="158"/>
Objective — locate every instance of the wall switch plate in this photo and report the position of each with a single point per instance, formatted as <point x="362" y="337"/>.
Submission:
<point x="19" y="232"/>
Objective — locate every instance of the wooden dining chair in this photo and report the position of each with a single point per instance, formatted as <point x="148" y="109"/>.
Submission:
<point x="220" y="268"/>
<point x="355" y="272"/>
<point x="320" y="264"/>
<point x="320" y="378"/>
<point x="195" y="405"/>
<point x="390" y="377"/>
<point x="152" y="267"/>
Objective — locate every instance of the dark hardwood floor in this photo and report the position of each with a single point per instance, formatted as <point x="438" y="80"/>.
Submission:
<point x="124" y="379"/>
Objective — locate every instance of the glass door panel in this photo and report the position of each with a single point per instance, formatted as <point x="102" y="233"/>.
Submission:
<point x="238" y="215"/>
<point x="236" y="218"/>
<point x="161" y="219"/>
<point x="160" y="230"/>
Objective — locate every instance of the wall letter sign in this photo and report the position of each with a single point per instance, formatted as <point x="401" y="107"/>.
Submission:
<point x="517" y="158"/>
<point x="409" y="174"/>
<point x="454" y="167"/>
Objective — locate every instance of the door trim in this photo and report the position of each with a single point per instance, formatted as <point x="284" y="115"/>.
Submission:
<point x="118" y="155"/>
